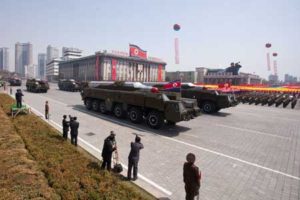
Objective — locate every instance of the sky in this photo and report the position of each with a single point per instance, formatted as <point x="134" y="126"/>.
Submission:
<point x="213" y="33"/>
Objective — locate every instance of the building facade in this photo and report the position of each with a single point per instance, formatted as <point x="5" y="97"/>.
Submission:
<point x="112" y="67"/>
<point x="290" y="79"/>
<point x="23" y="57"/>
<point x="41" y="65"/>
<point x="52" y="69"/>
<point x="4" y="59"/>
<point x="52" y="53"/>
<point x="31" y="71"/>
<point x="273" y="79"/>
<point x="184" y="76"/>
<point x="70" y="53"/>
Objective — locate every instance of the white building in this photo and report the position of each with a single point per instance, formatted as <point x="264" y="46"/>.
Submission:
<point x="52" y="69"/>
<point x="70" y="53"/>
<point x="4" y="58"/>
<point x="31" y="71"/>
<point x="52" y="53"/>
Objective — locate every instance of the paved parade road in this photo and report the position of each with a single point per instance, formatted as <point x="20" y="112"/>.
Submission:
<point x="246" y="152"/>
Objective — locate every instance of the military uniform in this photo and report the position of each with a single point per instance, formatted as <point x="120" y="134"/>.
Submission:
<point x="19" y="95"/>
<point x="74" y="125"/>
<point x="191" y="178"/>
<point x="133" y="159"/>
<point x="47" y="110"/>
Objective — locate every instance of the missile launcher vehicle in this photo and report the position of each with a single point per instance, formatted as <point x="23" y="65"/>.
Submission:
<point x="15" y="82"/>
<point x="138" y="102"/>
<point x="36" y="85"/>
<point x="68" y="85"/>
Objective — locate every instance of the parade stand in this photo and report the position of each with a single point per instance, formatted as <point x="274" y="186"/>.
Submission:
<point x="15" y="110"/>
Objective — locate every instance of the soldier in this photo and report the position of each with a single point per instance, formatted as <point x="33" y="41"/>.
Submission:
<point x="108" y="148"/>
<point x="74" y="125"/>
<point x="19" y="95"/>
<point x="191" y="177"/>
<point x="66" y="125"/>
<point x="133" y="157"/>
<point x="46" y="110"/>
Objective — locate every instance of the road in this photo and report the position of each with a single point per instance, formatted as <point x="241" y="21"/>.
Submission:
<point x="245" y="152"/>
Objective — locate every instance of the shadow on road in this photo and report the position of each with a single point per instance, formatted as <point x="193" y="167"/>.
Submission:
<point x="166" y="130"/>
<point x="220" y="114"/>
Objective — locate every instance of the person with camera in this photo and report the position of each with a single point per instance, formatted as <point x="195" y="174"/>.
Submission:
<point x="109" y="147"/>
<point x="65" y="125"/>
<point x="74" y="125"/>
<point x="134" y="157"/>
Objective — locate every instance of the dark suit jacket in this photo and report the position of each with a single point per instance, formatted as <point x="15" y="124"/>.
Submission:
<point x="74" y="125"/>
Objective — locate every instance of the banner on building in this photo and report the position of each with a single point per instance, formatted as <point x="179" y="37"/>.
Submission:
<point x="159" y="73"/>
<point x="96" y="68"/>
<point x="135" y="51"/>
<point x="113" y="69"/>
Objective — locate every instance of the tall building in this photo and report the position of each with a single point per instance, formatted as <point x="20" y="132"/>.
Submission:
<point x="30" y="71"/>
<point x="52" y="53"/>
<point x="41" y="65"/>
<point x="290" y="79"/>
<point x="4" y="59"/>
<point x="23" y="56"/>
<point x="71" y="53"/>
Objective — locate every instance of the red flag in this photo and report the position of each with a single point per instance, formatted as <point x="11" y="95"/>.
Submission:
<point x="173" y="86"/>
<point x="135" y="51"/>
<point x="113" y="69"/>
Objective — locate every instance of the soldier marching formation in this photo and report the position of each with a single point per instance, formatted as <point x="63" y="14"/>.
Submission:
<point x="270" y="99"/>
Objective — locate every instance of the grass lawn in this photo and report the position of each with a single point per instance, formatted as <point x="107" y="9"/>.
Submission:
<point x="36" y="162"/>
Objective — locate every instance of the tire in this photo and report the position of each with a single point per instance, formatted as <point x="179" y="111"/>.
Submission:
<point x="102" y="107"/>
<point x="88" y="104"/>
<point x="95" y="105"/>
<point x="208" y="107"/>
<point x="135" y="115"/>
<point x="154" y="120"/>
<point x="118" y="111"/>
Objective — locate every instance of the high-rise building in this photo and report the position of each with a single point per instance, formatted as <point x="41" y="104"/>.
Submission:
<point x="290" y="79"/>
<point x="41" y="65"/>
<point x="71" y="53"/>
<point x="52" y="53"/>
<point x="23" y="56"/>
<point x="4" y="58"/>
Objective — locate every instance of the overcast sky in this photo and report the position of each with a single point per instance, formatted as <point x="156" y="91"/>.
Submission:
<point x="213" y="32"/>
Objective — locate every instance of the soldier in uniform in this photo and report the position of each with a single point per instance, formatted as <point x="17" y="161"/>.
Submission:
<point x="46" y="110"/>
<point x="74" y="125"/>
<point x="108" y="148"/>
<point x="191" y="177"/>
<point x="66" y="125"/>
<point x="133" y="158"/>
<point x="19" y="95"/>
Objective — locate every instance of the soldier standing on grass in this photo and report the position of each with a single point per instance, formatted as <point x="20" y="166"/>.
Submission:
<point x="66" y="125"/>
<point x="74" y="125"/>
<point x="19" y="95"/>
<point x="133" y="157"/>
<point x="191" y="177"/>
<point x="108" y="148"/>
<point x="46" y="110"/>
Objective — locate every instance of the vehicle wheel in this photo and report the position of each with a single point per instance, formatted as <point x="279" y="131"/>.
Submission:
<point x="118" y="111"/>
<point x="208" y="107"/>
<point x="88" y="104"/>
<point x="135" y="115"/>
<point x="95" y="105"/>
<point x="102" y="107"/>
<point x="154" y="120"/>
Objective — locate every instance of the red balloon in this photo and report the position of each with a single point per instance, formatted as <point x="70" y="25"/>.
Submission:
<point x="275" y="54"/>
<point x="268" y="45"/>
<point x="176" y="27"/>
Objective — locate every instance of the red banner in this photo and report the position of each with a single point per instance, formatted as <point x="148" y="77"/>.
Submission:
<point x="113" y="69"/>
<point x="135" y="51"/>
<point x="96" y="69"/>
<point x="159" y="73"/>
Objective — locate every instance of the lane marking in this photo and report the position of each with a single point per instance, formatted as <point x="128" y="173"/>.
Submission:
<point x="167" y="192"/>
<point x="252" y="131"/>
<point x="210" y="151"/>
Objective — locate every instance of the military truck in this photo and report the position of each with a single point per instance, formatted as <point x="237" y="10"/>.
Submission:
<point x="36" y="85"/>
<point x="210" y="101"/>
<point x="137" y="102"/>
<point x="68" y="85"/>
<point x="15" y="82"/>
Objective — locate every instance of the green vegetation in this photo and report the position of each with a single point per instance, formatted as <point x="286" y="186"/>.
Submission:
<point x="60" y="170"/>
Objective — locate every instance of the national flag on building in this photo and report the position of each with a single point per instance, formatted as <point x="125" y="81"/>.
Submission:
<point x="173" y="86"/>
<point x="135" y="51"/>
